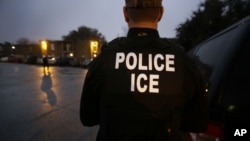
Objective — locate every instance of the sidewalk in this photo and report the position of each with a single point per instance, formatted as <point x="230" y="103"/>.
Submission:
<point x="40" y="105"/>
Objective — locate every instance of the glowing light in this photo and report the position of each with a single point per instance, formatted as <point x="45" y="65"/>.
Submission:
<point x="93" y="49"/>
<point x="44" y="45"/>
<point x="231" y="107"/>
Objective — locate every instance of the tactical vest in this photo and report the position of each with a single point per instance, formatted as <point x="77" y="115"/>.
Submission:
<point x="143" y="90"/>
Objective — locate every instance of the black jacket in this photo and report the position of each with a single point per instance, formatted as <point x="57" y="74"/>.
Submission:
<point x="143" y="88"/>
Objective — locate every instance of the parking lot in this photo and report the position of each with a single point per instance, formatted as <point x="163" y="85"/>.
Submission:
<point x="39" y="105"/>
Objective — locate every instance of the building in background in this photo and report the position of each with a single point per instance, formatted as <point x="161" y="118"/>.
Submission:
<point x="81" y="49"/>
<point x="19" y="49"/>
<point x="57" y="48"/>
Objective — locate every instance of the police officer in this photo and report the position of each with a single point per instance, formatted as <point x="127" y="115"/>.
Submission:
<point x="142" y="87"/>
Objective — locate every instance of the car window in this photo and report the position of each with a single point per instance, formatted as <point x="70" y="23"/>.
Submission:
<point x="214" y="57"/>
<point x="216" y="54"/>
<point x="237" y="91"/>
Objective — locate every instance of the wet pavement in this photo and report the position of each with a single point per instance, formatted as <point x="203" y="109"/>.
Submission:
<point x="41" y="105"/>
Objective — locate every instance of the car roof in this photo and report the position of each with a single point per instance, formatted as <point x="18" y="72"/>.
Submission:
<point x="244" y="21"/>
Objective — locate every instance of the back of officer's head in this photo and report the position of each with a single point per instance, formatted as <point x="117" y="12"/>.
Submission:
<point x="143" y="10"/>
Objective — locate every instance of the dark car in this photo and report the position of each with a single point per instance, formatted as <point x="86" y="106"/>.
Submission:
<point x="84" y="63"/>
<point x="65" y="61"/>
<point x="224" y="60"/>
<point x="31" y="59"/>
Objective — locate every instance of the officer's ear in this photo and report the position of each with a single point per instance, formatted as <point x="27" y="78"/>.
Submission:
<point x="125" y="13"/>
<point x="161" y="13"/>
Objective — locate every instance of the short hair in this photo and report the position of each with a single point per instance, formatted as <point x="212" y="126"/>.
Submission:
<point x="144" y="14"/>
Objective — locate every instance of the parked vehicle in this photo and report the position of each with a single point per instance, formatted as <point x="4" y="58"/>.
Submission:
<point x="224" y="60"/>
<point x="84" y="63"/>
<point x="4" y="59"/>
<point x="31" y="59"/>
<point x="16" y="58"/>
<point x="73" y="62"/>
<point x="39" y="60"/>
<point x="65" y="61"/>
<point x="51" y="60"/>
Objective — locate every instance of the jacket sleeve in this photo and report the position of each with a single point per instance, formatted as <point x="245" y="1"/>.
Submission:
<point x="89" y="104"/>
<point x="195" y="116"/>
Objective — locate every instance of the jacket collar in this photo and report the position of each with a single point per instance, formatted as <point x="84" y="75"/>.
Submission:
<point x="143" y="32"/>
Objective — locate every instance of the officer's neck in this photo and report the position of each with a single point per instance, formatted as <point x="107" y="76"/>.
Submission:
<point x="151" y="25"/>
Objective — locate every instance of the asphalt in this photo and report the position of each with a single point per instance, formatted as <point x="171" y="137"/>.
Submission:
<point x="41" y="105"/>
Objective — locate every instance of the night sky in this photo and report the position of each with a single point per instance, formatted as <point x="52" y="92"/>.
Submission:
<point x="51" y="19"/>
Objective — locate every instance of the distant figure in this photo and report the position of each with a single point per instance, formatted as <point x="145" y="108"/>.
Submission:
<point x="45" y="62"/>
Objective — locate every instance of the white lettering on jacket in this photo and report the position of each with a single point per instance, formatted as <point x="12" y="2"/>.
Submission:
<point x="142" y="82"/>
